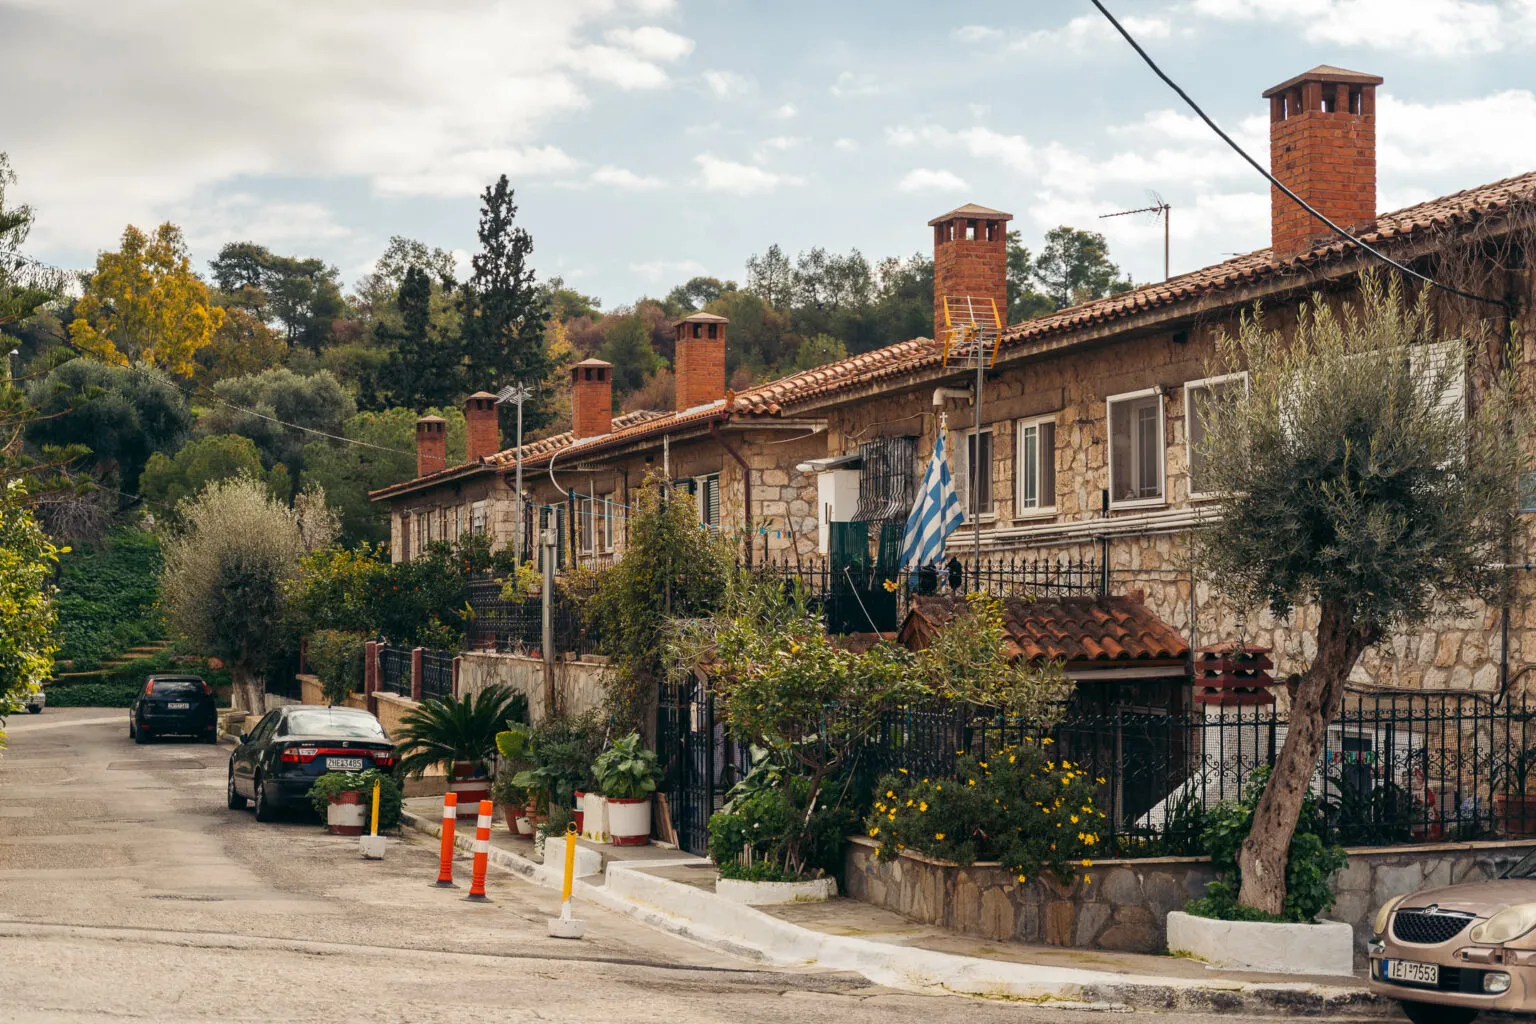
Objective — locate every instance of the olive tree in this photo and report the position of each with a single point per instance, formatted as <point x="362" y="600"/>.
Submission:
<point x="226" y="570"/>
<point x="1360" y="487"/>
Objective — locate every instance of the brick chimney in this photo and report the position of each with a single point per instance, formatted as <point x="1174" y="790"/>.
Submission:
<point x="699" y="360"/>
<point x="482" y="426"/>
<point x="970" y="260"/>
<point x="591" y="398"/>
<point x="1322" y="145"/>
<point x="431" y="445"/>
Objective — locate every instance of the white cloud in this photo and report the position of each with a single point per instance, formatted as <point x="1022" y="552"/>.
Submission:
<point x="651" y="42"/>
<point x="977" y="33"/>
<point x="851" y="84"/>
<point x="654" y="7"/>
<point x="658" y="271"/>
<point x="779" y="143"/>
<point x="1434" y="27"/>
<point x="621" y="178"/>
<point x="923" y="179"/>
<point x="727" y="84"/>
<point x="1449" y="141"/>
<point x="1013" y="150"/>
<point x="784" y="112"/>
<point x="717" y="175"/>
<point x="208" y="223"/>
<point x="153" y="102"/>
<point x="845" y="145"/>
<point x="1091" y="31"/>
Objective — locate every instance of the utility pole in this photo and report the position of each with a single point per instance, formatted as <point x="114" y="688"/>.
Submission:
<point x="1163" y="210"/>
<point x="518" y="393"/>
<point x="548" y="541"/>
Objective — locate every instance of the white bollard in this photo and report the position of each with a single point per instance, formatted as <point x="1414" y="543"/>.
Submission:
<point x="565" y="926"/>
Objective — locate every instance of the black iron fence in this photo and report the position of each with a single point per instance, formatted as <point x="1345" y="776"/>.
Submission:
<point x="1394" y="768"/>
<point x="518" y="626"/>
<point x="395" y="670"/>
<point x="436" y="675"/>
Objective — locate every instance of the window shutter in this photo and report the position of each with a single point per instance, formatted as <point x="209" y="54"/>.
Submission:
<point x="960" y="467"/>
<point x="1047" y="461"/>
<point x="710" y="506"/>
<point x="1426" y="362"/>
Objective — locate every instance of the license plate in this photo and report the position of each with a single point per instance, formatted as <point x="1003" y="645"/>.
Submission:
<point x="343" y="764"/>
<point x="1412" y="973"/>
<point x="177" y="706"/>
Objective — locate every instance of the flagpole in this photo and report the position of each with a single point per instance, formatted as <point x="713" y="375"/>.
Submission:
<point x="978" y="469"/>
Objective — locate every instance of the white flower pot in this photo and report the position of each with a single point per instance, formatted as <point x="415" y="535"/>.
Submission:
<point x="1327" y="947"/>
<point x="345" y="814"/>
<point x="629" y="821"/>
<point x="595" y="818"/>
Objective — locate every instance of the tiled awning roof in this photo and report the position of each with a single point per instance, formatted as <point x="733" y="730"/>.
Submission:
<point x="1108" y="630"/>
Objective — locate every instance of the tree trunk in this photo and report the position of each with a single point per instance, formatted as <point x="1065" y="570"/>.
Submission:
<point x="248" y="691"/>
<point x="1314" y="702"/>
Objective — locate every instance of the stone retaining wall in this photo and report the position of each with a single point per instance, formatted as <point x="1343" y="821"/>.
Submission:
<point x="392" y="709"/>
<point x="578" y="684"/>
<point x="1125" y="903"/>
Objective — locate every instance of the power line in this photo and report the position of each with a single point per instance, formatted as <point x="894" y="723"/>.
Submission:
<point x="1275" y="181"/>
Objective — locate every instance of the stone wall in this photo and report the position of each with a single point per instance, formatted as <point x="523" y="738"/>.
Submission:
<point x="578" y="684"/>
<point x="1124" y="904"/>
<point x="311" y="690"/>
<point x="392" y="708"/>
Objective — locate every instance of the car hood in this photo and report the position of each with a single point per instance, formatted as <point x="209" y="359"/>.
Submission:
<point x="1481" y="898"/>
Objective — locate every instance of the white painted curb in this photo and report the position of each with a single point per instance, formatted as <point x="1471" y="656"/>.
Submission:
<point x="762" y="894"/>
<point x="1327" y="947"/>
<point x="743" y="931"/>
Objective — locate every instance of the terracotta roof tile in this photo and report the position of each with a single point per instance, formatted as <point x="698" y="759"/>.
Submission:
<point x="1073" y="629"/>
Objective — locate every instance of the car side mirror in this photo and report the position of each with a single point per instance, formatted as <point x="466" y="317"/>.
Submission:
<point x="244" y="737"/>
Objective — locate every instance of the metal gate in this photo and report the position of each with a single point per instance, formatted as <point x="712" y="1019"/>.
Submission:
<point x="700" y="762"/>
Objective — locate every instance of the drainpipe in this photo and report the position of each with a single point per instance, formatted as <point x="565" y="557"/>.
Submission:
<point x="746" y="480"/>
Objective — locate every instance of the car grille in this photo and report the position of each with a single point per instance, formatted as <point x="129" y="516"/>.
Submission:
<point x="1428" y="929"/>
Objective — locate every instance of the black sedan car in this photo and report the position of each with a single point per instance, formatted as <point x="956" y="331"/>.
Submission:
<point x="278" y="761"/>
<point x="174" y="705"/>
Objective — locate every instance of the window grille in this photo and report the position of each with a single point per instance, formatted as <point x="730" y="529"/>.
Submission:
<point x="888" y="481"/>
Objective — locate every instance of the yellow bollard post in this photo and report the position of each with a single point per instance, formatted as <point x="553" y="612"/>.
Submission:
<point x="372" y="845"/>
<point x="565" y="926"/>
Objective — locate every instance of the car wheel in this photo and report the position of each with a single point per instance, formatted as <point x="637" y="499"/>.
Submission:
<point x="236" y="801"/>
<point x="211" y="736"/>
<point x="1431" y="1013"/>
<point x="138" y="734"/>
<point x="264" y="809"/>
<point x="34" y="709"/>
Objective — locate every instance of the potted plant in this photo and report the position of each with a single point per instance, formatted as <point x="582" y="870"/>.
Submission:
<point x="346" y="798"/>
<point x="627" y="774"/>
<point x="514" y="746"/>
<point x="460" y="733"/>
<point x="561" y="749"/>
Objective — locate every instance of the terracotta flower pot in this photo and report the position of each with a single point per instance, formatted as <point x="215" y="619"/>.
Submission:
<point x="580" y="810"/>
<point x="513" y="813"/>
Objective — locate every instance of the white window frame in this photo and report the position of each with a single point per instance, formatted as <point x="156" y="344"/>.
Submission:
<point x="586" y="525"/>
<point x="1190" y="386"/>
<point x="701" y="498"/>
<point x="962" y="474"/>
<point x="1162" y="448"/>
<point x="606" y="532"/>
<point x="1020" y="511"/>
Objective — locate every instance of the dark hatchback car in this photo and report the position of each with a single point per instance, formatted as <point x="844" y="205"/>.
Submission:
<point x="174" y="706"/>
<point x="278" y="761"/>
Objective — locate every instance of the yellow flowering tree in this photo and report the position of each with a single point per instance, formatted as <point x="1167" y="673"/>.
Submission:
<point x="145" y="304"/>
<point x="27" y="616"/>
<point x="1017" y="805"/>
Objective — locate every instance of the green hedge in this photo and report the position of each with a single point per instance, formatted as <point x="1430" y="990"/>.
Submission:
<point x="118" y="688"/>
<point x="108" y="597"/>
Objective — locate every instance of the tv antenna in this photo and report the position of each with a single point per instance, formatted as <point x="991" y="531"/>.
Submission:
<point x="1161" y="209"/>
<point x="973" y="330"/>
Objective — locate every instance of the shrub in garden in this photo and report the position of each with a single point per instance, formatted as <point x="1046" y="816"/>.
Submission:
<point x="337" y="658"/>
<point x="1309" y="865"/>
<point x="763" y="834"/>
<point x="1017" y="805"/>
<point x="332" y="783"/>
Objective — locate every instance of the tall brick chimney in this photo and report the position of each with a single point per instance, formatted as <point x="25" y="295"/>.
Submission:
<point x="431" y="445"/>
<point x="699" y="360"/>
<point x="482" y="426"/>
<point x="1322" y="145"/>
<point x="970" y="259"/>
<point x="591" y="398"/>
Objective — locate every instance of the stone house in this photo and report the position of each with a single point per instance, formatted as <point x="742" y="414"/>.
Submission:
<point x="1086" y="413"/>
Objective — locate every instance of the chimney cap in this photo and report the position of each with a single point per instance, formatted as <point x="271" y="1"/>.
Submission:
<point x="594" y="363"/>
<point x="971" y="211"/>
<point x="701" y="318"/>
<point x="430" y="419"/>
<point x="482" y="394"/>
<point x="1326" y="73"/>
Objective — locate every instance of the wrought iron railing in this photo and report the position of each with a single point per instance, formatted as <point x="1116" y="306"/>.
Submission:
<point x="437" y="675"/>
<point x="395" y="670"/>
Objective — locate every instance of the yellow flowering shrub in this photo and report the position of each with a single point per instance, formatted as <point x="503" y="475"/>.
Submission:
<point x="1016" y="805"/>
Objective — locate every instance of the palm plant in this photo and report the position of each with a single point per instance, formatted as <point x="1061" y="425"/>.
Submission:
<point x="455" y="729"/>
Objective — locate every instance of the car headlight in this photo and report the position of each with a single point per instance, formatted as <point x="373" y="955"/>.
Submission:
<point x="1385" y="913"/>
<point x="1509" y="923"/>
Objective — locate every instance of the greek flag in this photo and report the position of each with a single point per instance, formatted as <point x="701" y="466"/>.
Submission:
<point x="935" y="516"/>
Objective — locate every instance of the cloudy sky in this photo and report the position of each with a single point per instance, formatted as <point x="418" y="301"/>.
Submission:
<point x="653" y="139"/>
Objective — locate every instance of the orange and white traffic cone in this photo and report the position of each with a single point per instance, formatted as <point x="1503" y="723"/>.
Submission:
<point x="445" y="857"/>
<point x="482" y="850"/>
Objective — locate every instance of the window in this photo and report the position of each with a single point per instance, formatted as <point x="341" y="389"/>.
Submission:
<point x="707" y="490"/>
<point x="405" y="536"/>
<point x="1034" y="468"/>
<point x="606" y="533"/>
<point x="965" y="470"/>
<point x="586" y="524"/>
<point x="477" y="517"/>
<point x="1136" y="448"/>
<point x="1199" y="397"/>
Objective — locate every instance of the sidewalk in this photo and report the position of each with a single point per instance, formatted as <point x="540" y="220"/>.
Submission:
<point x="674" y="891"/>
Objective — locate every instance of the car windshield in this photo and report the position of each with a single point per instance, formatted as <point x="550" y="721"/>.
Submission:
<point x="1525" y="868"/>
<point x="177" y="688"/>
<point x="326" y="722"/>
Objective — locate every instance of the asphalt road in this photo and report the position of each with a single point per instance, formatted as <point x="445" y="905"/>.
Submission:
<point x="129" y="891"/>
